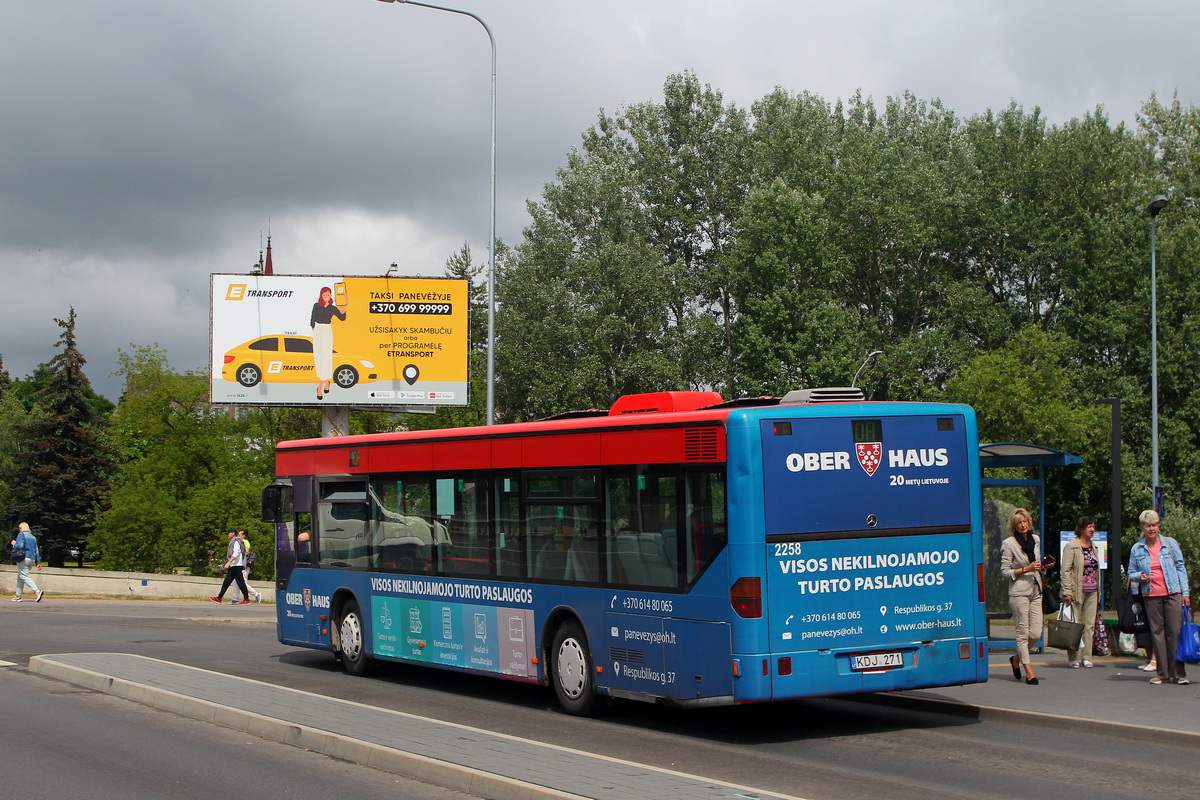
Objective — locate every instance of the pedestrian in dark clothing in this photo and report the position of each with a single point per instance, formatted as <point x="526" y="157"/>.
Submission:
<point x="235" y="559"/>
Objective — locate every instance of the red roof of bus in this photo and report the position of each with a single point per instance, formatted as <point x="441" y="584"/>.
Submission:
<point x="627" y="434"/>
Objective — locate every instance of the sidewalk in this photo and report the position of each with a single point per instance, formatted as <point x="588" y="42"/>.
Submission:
<point x="1114" y="697"/>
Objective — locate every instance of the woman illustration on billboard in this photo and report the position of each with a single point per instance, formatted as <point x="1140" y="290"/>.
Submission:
<point x="323" y="312"/>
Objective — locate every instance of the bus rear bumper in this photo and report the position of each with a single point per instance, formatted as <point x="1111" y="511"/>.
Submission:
<point x="812" y="673"/>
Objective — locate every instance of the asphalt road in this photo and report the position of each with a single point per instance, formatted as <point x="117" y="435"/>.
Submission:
<point x="832" y="748"/>
<point x="73" y="744"/>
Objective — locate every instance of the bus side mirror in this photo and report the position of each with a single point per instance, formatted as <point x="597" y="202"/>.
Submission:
<point x="278" y="503"/>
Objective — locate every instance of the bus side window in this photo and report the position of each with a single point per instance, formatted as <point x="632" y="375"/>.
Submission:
<point x="464" y="547"/>
<point x="303" y="531"/>
<point x="506" y="519"/>
<point x="403" y="529"/>
<point x="640" y="551"/>
<point x="705" y="528"/>
<point x="342" y="527"/>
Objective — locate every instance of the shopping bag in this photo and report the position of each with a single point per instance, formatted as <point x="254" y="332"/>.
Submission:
<point x="1133" y="617"/>
<point x="1127" y="644"/>
<point x="1188" y="650"/>
<point x="1063" y="631"/>
<point x="1100" y="643"/>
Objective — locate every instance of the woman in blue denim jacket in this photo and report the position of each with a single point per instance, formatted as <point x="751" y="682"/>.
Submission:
<point x="1156" y="568"/>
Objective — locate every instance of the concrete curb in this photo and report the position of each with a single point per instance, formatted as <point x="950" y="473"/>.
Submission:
<point x="1140" y="733"/>
<point x="409" y="765"/>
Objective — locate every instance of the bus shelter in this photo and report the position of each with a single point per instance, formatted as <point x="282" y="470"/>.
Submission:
<point x="1000" y="497"/>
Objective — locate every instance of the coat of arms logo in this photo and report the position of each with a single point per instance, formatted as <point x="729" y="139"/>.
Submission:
<point x="869" y="455"/>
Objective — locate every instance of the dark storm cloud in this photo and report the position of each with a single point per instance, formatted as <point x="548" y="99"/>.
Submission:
<point x="134" y="119"/>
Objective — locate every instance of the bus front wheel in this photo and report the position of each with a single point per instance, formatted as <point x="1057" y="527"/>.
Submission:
<point x="571" y="671"/>
<point x="351" y="640"/>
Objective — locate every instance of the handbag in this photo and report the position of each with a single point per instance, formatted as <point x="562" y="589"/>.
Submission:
<point x="1188" y="650"/>
<point x="1100" y="643"/>
<point x="1132" y="618"/>
<point x="18" y="550"/>
<point x="1050" y="603"/>
<point x="1063" y="631"/>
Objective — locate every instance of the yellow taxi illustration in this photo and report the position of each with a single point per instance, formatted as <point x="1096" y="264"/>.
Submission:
<point x="289" y="359"/>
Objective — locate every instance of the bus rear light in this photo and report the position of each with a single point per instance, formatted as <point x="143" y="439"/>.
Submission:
<point x="746" y="598"/>
<point x="979" y="573"/>
<point x="964" y="651"/>
<point x="983" y="650"/>
<point x="785" y="665"/>
<point x="766" y="667"/>
<point x="737" y="671"/>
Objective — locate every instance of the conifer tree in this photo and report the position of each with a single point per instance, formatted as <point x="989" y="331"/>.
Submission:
<point x="63" y="471"/>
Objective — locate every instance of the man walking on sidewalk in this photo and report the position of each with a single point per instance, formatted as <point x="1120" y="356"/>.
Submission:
<point x="235" y="559"/>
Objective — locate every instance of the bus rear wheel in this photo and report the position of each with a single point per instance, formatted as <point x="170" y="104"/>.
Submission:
<point x="571" y="670"/>
<point x="352" y="641"/>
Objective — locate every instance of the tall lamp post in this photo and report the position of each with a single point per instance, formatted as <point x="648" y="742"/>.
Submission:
<point x="491" y="293"/>
<point x="1156" y="205"/>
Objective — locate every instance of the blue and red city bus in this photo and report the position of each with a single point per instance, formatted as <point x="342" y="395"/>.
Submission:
<point x="675" y="548"/>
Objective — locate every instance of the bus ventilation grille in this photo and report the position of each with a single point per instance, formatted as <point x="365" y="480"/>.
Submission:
<point x="829" y="394"/>
<point x="628" y="656"/>
<point x="700" y="444"/>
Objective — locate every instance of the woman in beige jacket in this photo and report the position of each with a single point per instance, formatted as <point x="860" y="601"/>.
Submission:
<point x="1081" y="586"/>
<point x="1021" y="563"/>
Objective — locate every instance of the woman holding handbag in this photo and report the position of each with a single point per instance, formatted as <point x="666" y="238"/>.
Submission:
<point x="1081" y="586"/>
<point x="1156" y="567"/>
<point x="1021" y="563"/>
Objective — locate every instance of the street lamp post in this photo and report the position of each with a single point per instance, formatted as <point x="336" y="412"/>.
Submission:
<point x="1156" y="205"/>
<point x="491" y="293"/>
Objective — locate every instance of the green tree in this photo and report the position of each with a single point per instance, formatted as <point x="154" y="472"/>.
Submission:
<point x="1023" y="392"/>
<point x="12" y="417"/>
<point x="188" y="471"/>
<point x="65" y="464"/>
<point x="586" y="312"/>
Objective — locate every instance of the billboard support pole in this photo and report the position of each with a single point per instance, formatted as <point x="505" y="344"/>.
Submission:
<point x="335" y="421"/>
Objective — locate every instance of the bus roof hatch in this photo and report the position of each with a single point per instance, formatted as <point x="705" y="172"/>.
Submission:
<point x="663" y="402"/>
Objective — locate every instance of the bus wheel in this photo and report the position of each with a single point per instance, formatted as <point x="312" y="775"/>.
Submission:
<point x="350" y="640"/>
<point x="571" y="670"/>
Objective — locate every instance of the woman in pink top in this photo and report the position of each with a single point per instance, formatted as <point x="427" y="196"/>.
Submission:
<point x="1156" y="568"/>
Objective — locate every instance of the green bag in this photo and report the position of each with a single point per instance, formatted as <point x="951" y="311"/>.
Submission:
<point x="1063" y="631"/>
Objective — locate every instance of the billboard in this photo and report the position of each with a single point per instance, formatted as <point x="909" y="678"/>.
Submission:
<point x="338" y="340"/>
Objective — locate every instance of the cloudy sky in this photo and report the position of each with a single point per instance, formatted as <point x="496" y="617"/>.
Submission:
<point x="146" y="144"/>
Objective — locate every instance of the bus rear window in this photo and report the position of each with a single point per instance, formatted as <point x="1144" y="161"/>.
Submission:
<point x="866" y="477"/>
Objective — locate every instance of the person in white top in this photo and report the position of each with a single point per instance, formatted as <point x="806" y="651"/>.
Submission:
<point x="235" y="559"/>
<point x="246" y="567"/>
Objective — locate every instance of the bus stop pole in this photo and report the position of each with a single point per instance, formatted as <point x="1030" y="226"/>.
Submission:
<point x="1114" y="536"/>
